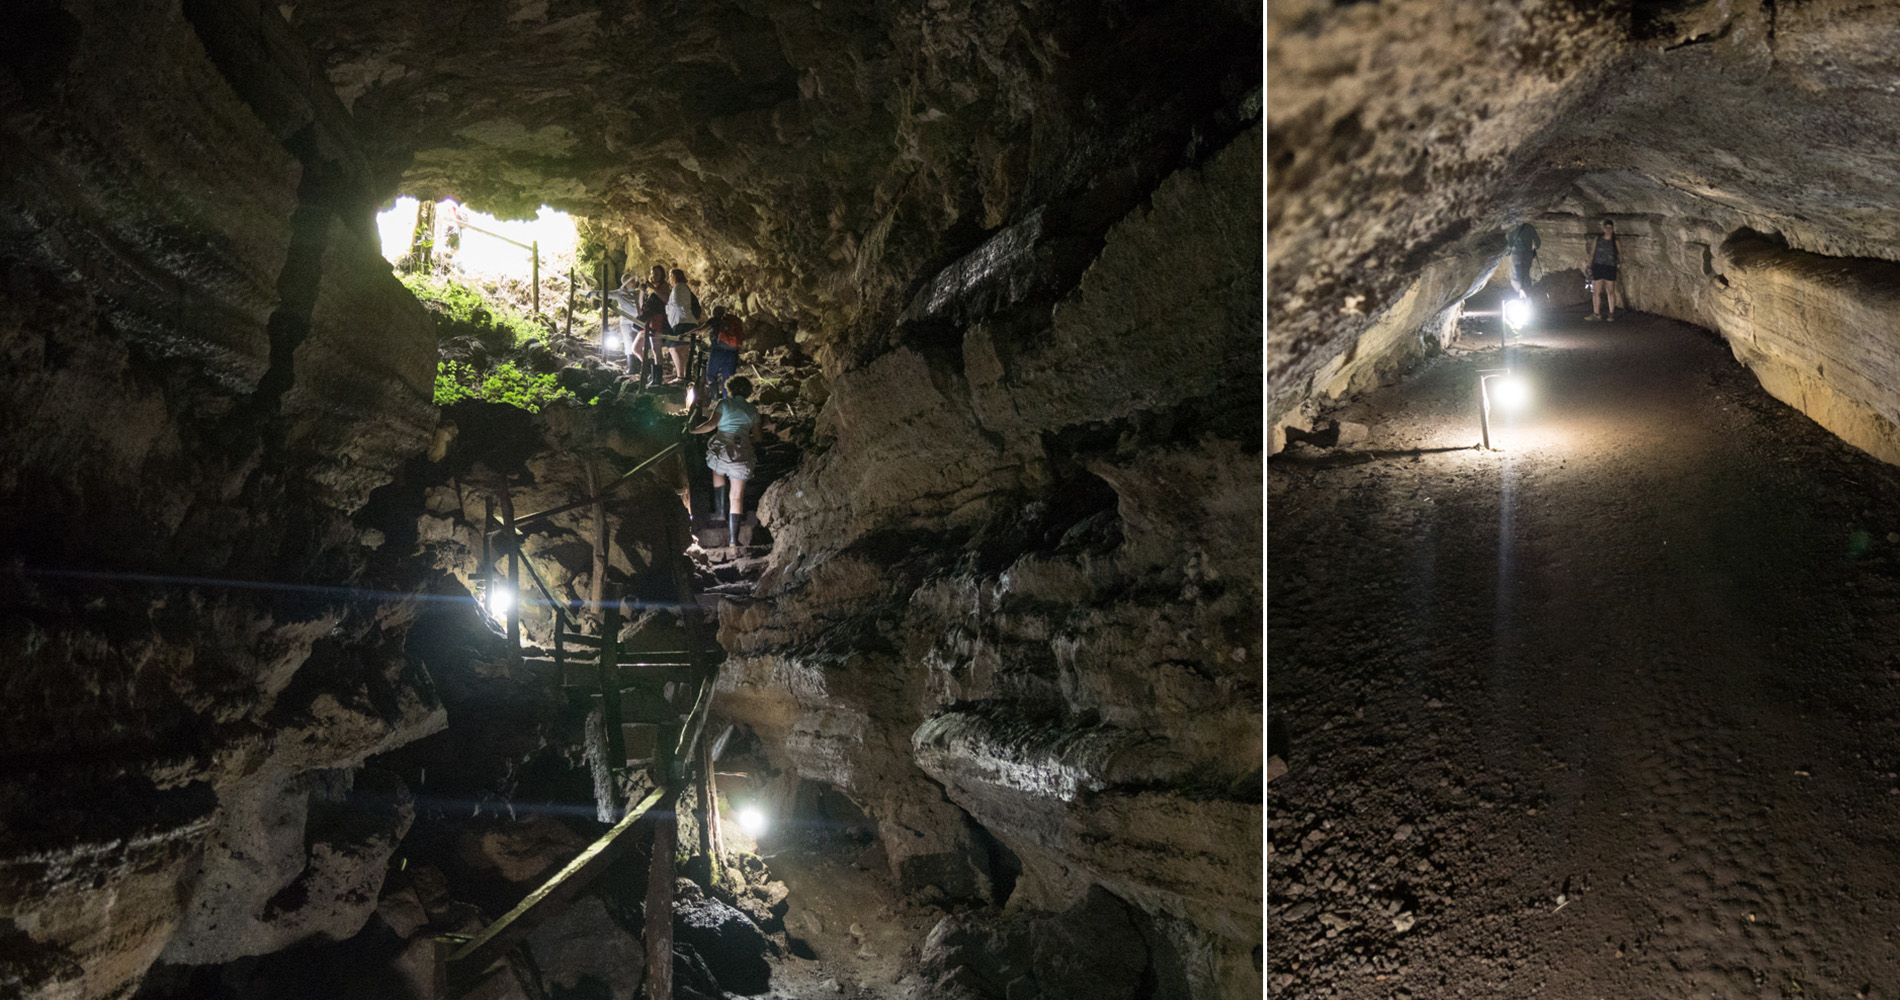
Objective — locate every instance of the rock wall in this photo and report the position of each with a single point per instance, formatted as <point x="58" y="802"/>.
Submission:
<point x="207" y="372"/>
<point x="1013" y="605"/>
<point x="1817" y="330"/>
<point x="1022" y="577"/>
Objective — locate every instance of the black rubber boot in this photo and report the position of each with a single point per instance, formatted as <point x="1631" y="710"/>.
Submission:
<point x="719" y="501"/>
<point x="732" y="528"/>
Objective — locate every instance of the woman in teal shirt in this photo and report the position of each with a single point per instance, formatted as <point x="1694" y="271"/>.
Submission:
<point x="730" y="455"/>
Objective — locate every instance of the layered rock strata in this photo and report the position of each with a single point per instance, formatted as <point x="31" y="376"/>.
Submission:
<point x="207" y="372"/>
<point x="1025" y="572"/>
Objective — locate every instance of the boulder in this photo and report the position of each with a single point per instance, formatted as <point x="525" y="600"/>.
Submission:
<point x="732" y="946"/>
<point x="585" y="951"/>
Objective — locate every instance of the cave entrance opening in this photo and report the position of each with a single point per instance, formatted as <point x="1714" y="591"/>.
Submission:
<point x="521" y="264"/>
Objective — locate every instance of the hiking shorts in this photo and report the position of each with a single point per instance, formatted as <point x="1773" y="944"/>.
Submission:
<point x="731" y="455"/>
<point x="1603" y="272"/>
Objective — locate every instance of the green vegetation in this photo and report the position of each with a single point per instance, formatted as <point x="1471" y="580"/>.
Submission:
<point x="504" y="383"/>
<point x="462" y="308"/>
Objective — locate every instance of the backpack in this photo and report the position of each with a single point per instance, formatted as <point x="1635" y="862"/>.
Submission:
<point x="731" y="330"/>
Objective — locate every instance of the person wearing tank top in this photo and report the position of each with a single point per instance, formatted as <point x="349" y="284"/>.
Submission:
<point x="1604" y="259"/>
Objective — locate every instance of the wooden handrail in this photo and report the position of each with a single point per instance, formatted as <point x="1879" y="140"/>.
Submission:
<point x="629" y="474"/>
<point x="495" y="941"/>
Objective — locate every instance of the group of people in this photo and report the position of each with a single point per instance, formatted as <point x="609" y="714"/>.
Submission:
<point x="1604" y="256"/>
<point x="667" y="313"/>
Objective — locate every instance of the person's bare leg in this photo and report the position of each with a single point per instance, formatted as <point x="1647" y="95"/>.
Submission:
<point x="1609" y="296"/>
<point x="679" y="362"/>
<point x="1596" y="297"/>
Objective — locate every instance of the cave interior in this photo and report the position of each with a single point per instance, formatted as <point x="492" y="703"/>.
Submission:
<point x="316" y="677"/>
<point x="1594" y="697"/>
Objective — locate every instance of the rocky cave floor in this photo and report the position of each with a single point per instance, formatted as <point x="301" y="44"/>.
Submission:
<point x="1611" y="712"/>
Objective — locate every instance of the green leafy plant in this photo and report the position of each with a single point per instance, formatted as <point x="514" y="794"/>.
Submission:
<point x="461" y="308"/>
<point x="504" y="383"/>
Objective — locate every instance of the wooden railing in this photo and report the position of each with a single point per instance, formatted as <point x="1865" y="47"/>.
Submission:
<point x="679" y="750"/>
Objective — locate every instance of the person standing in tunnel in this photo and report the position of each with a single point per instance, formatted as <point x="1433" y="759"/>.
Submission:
<point x="1604" y="258"/>
<point x="682" y="314"/>
<point x="1522" y="244"/>
<point x="722" y="359"/>
<point x="730" y="454"/>
<point x="653" y="319"/>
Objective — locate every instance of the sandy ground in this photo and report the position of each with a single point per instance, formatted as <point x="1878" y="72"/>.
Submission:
<point x="1610" y="713"/>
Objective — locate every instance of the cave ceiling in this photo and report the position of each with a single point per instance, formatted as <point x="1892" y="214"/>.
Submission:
<point x="820" y="156"/>
<point x="1399" y="133"/>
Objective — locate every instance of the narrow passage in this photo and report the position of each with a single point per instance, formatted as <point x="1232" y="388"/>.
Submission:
<point x="1611" y="712"/>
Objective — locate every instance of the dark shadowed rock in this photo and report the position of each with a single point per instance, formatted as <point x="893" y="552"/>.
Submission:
<point x="732" y="946"/>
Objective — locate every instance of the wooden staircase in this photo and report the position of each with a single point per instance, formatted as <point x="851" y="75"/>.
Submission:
<point x="654" y="705"/>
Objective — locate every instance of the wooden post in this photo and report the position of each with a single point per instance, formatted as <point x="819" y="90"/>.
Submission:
<point x="514" y="568"/>
<point x="659" y="908"/>
<point x="605" y="302"/>
<point x="711" y="844"/>
<point x="610" y="685"/>
<point x="442" y="947"/>
<point x="535" y="249"/>
<point x="569" y="331"/>
<point x="600" y="539"/>
<point x="488" y="551"/>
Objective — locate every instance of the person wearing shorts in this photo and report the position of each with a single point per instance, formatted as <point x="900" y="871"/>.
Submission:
<point x="682" y="315"/>
<point x="731" y="454"/>
<point x="1604" y="258"/>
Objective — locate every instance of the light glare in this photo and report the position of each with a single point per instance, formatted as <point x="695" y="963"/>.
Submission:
<point x="752" y="821"/>
<point x="500" y="601"/>
<point x="1512" y="393"/>
<point x="1517" y="312"/>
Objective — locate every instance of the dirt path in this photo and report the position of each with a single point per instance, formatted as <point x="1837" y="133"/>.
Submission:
<point x="1611" y="713"/>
